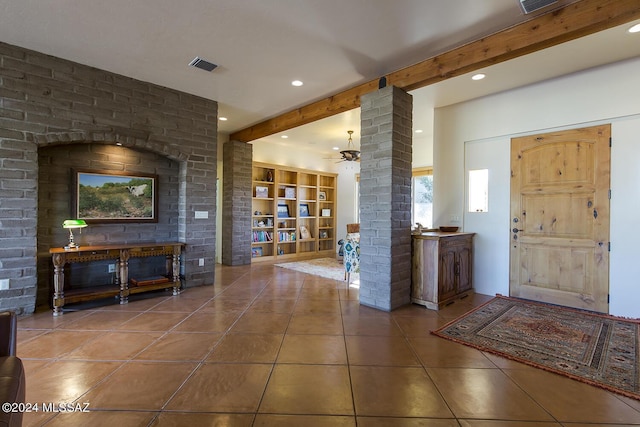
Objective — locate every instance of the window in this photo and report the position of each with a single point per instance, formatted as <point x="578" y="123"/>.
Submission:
<point x="479" y="190"/>
<point x="422" y="197"/>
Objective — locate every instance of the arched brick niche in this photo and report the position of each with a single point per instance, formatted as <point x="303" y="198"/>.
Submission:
<point x="56" y="165"/>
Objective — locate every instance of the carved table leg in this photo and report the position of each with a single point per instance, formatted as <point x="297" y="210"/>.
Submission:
<point x="58" y="284"/>
<point x="175" y="268"/>
<point x="123" y="266"/>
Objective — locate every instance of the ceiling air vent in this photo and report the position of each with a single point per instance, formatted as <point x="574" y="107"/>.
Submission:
<point x="529" y="6"/>
<point x="202" y="64"/>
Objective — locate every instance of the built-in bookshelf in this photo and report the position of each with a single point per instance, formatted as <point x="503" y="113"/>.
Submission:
<point x="293" y="213"/>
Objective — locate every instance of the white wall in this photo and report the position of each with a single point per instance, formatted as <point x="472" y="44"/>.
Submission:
<point x="609" y="94"/>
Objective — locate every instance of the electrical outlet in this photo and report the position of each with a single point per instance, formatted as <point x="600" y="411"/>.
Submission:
<point x="4" y="284"/>
<point x="201" y="262"/>
<point x="112" y="268"/>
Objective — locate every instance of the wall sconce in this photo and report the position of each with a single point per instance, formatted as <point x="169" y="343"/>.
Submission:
<point x="73" y="224"/>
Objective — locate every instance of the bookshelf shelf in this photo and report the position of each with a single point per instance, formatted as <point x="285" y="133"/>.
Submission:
<point x="288" y="203"/>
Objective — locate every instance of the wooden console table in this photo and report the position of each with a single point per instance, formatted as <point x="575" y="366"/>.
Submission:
<point x="121" y="254"/>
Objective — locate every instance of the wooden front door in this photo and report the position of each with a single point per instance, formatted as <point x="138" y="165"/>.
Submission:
<point x="559" y="250"/>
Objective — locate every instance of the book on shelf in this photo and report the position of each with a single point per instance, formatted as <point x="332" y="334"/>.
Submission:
<point x="286" y="236"/>
<point x="262" y="236"/>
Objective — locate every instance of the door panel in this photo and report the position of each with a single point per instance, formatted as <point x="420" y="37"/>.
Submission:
<point x="560" y="218"/>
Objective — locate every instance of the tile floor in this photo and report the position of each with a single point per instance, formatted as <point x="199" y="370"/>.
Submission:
<point x="265" y="346"/>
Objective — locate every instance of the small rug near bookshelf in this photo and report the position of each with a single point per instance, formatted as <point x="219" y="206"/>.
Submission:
<point x="594" y="348"/>
<point x="330" y="268"/>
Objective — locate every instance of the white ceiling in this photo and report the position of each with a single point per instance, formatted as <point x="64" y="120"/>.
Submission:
<point x="260" y="46"/>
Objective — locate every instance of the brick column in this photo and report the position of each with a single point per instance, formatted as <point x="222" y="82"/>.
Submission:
<point x="385" y="198"/>
<point x="236" y="203"/>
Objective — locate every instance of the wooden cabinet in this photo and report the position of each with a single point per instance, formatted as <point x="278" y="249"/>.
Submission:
<point x="442" y="268"/>
<point x="293" y="213"/>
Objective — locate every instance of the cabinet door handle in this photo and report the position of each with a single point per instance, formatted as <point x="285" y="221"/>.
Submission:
<point x="456" y="268"/>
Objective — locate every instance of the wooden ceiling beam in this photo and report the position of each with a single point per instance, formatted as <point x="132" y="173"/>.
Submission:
<point x="570" y="22"/>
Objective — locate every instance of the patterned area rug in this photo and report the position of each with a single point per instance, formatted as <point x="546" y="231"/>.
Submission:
<point x="330" y="268"/>
<point x="597" y="349"/>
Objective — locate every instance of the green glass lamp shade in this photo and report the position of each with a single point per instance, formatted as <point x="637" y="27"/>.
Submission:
<point x="74" y="223"/>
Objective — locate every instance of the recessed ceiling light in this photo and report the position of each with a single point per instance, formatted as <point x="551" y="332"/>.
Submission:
<point x="336" y="148"/>
<point x="222" y="119"/>
<point x="418" y="130"/>
<point x="284" y="136"/>
<point x="634" y="29"/>
<point x="296" y="83"/>
<point x="479" y="76"/>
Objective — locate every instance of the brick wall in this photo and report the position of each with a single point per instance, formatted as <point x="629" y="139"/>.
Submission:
<point x="50" y="101"/>
<point x="236" y="212"/>
<point x="385" y="198"/>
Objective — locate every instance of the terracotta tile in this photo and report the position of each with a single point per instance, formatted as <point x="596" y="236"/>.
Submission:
<point x="308" y="389"/>
<point x="180" y="419"/>
<point x="374" y="325"/>
<point x="569" y="400"/>
<point x="320" y="293"/>
<point x="313" y="349"/>
<point x="268" y="323"/>
<point x="46" y="319"/>
<point x="419" y="326"/>
<point x="208" y="322"/>
<point x="55" y="344"/>
<point x="139" y="302"/>
<point x="153" y="321"/>
<point x="323" y="324"/>
<point x="317" y="306"/>
<point x="380" y="351"/>
<point x="139" y="385"/>
<point x="354" y="308"/>
<point x="179" y="304"/>
<point x="183" y="346"/>
<point x="220" y="304"/>
<point x="265" y="420"/>
<point x="480" y="394"/>
<point x="497" y="423"/>
<point x="222" y="388"/>
<point x="115" y="346"/>
<point x="247" y="348"/>
<point x="65" y="381"/>
<point x="100" y="320"/>
<point x="103" y="419"/>
<point x="284" y="363"/>
<point x="273" y="305"/>
<point x="396" y="392"/>
<point x="440" y="353"/>
<point x="202" y="293"/>
<point x="405" y="422"/>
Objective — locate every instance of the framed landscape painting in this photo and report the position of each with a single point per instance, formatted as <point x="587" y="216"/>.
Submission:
<point x="104" y="196"/>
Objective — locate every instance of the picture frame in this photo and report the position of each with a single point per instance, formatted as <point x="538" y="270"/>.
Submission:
<point x="326" y="212"/>
<point x="324" y="234"/>
<point x="289" y="192"/>
<point x="262" y="192"/>
<point x="100" y="196"/>
<point x="256" y="252"/>
<point x="283" y="210"/>
<point x="304" y="209"/>
<point x="322" y="195"/>
<point x="304" y="232"/>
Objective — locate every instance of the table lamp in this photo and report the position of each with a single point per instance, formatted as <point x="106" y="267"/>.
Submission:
<point x="73" y="224"/>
